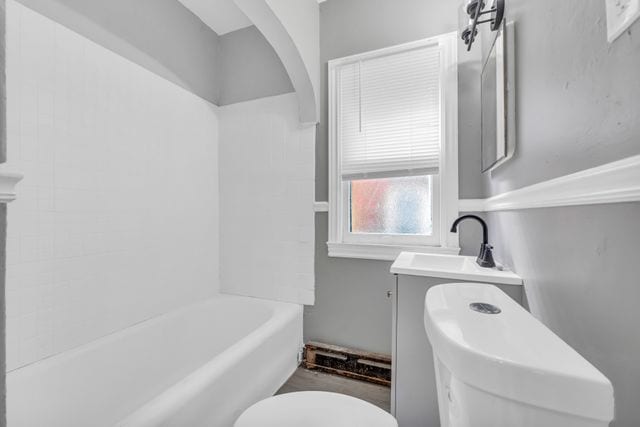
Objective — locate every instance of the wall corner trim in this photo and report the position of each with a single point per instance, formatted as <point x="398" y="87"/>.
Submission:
<point x="615" y="182"/>
<point x="8" y="182"/>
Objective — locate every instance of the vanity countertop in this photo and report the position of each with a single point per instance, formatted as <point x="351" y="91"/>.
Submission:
<point x="457" y="267"/>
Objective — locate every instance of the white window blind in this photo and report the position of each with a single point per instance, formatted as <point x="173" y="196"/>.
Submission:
<point x="389" y="115"/>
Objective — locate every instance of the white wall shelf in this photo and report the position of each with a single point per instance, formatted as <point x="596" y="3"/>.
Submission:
<point x="615" y="182"/>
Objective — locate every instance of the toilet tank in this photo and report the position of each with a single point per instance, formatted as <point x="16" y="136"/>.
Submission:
<point x="498" y="366"/>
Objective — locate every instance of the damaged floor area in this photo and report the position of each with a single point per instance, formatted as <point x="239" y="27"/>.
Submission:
<point x="306" y="380"/>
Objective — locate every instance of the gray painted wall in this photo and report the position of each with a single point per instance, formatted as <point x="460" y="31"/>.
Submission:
<point x="3" y="344"/>
<point x="577" y="95"/>
<point x="169" y="40"/>
<point x="249" y="68"/>
<point x="160" y="35"/>
<point x="3" y="220"/>
<point x="3" y="89"/>
<point x="351" y="305"/>
<point x="578" y="106"/>
<point x="580" y="268"/>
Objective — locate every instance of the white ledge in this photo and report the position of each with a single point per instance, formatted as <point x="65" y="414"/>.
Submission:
<point x="616" y="182"/>
<point x="8" y="182"/>
<point x="471" y="205"/>
<point x="382" y="252"/>
<point x="321" y="206"/>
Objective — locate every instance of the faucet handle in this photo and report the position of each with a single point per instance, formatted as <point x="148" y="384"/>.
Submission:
<point x="485" y="258"/>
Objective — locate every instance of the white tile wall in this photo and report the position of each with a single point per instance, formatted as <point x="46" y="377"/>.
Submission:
<point x="117" y="217"/>
<point x="267" y="173"/>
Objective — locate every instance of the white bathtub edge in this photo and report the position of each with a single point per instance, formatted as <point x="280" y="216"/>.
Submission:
<point x="174" y="398"/>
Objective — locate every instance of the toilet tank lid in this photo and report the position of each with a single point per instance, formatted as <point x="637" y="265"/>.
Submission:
<point x="510" y="353"/>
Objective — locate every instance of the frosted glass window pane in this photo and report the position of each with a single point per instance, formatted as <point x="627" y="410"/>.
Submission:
<point x="392" y="206"/>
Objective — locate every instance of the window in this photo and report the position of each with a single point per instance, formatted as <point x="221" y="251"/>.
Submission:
<point x="393" y="150"/>
<point x="400" y="206"/>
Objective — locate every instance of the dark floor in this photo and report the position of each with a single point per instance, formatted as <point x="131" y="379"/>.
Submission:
<point x="305" y="380"/>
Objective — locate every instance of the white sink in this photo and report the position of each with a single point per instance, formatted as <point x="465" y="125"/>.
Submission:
<point x="451" y="267"/>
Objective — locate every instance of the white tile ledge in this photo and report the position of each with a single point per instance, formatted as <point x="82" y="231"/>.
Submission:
<point x="321" y="206"/>
<point x="8" y="182"/>
<point x="382" y="252"/>
<point x="616" y="182"/>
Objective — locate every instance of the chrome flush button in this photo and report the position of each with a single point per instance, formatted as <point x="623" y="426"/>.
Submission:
<point x="483" y="307"/>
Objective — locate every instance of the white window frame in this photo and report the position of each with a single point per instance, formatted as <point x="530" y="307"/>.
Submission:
<point x="445" y="185"/>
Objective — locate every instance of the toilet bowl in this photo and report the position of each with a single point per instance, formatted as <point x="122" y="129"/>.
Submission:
<point x="314" y="409"/>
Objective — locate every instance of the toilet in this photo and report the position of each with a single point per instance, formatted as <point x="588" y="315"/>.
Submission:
<point x="495" y="364"/>
<point x="314" y="409"/>
<point x="498" y="366"/>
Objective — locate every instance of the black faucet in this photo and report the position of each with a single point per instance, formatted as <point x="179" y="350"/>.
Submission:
<point x="485" y="258"/>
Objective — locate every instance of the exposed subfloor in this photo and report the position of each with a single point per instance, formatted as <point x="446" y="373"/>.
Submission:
<point x="305" y="380"/>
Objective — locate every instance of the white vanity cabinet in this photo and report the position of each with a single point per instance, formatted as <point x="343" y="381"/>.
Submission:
<point x="413" y="390"/>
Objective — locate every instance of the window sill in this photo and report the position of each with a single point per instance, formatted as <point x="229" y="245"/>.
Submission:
<point x="382" y="252"/>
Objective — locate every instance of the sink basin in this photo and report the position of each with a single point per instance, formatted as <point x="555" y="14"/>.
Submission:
<point x="451" y="267"/>
<point x="438" y="262"/>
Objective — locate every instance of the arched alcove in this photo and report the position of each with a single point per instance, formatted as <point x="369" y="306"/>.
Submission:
<point x="292" y="28"/>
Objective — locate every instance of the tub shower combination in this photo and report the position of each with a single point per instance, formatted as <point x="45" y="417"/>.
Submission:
<point x="199" y="365"/>
<point x="135" y="232"/>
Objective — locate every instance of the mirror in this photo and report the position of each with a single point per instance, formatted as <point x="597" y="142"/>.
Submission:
<point x="497" y="101"/>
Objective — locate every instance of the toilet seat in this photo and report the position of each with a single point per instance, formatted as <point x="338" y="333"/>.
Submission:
<point x="314" y="409"/>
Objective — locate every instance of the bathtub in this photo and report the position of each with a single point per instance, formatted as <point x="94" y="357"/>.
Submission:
<point x="201" y="365"/>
